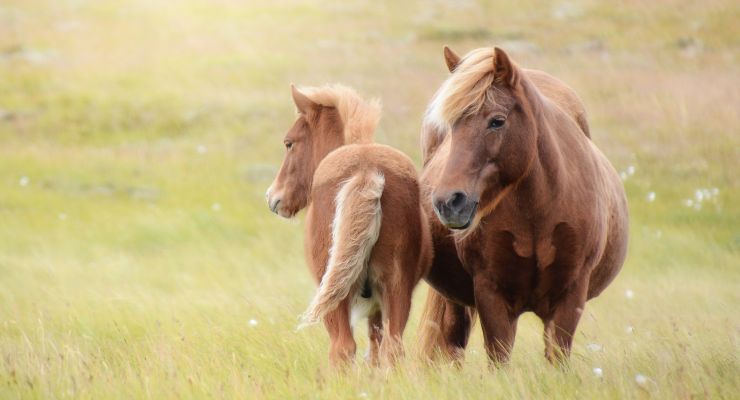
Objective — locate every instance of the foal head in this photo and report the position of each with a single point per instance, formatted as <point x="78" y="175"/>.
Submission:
<point x="328" y="117"/>
<point x="484" y="108"/>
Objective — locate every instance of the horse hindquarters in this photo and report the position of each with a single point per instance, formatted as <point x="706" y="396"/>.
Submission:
<point x="355" y="229"/>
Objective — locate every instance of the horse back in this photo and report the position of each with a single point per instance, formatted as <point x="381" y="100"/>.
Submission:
<point x="562" y="95"/>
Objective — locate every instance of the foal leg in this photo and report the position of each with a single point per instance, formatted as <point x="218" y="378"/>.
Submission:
<point x="497" y="321"/>
<point x="561" y="326"/>
<point x="375" y="333"/>
<point x="396" y="308"/>
<point x="343" y="346"/>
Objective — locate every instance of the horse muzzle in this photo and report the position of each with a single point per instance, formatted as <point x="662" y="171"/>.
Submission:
<point x="455" y="211"/>
<point x="273" y="200"/>
<point x="274" y="204"/>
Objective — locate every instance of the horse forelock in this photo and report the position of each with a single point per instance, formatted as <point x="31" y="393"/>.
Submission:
<point x="359" y="117"/>
<point x="464" y="92"/>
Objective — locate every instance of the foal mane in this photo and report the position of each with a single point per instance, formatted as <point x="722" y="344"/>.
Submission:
<point x="359" y="117"/>
<point x="464" y="92"/>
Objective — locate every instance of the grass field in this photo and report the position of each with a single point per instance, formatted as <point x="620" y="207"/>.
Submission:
<point x="138" y="259"/>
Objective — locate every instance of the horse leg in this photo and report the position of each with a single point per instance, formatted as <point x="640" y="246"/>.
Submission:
<point x="561" y="326"/>
<point x="396" y="307"/>
<point x="456" y="326"/>
<point x="375" y="333"/>
<point x="497" y="321"/>
<point x="445" y="327"/>
<point x="446" y="324"/>
<point x="343" y="345"/>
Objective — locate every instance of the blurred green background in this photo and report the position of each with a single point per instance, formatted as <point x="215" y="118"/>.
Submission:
<point x="137" y="138"/>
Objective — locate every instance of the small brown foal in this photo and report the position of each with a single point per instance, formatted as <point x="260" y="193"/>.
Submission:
<point x="367" y="238"/>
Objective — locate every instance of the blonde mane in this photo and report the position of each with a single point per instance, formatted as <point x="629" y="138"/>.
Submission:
<point x="465" y="91"/>
<point x="359" y="117"/>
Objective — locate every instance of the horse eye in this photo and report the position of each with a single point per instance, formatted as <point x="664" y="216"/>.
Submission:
<point x="496" y="122"/>
<point x="288" y="145"/>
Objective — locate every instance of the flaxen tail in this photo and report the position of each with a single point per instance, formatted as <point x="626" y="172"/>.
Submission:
<point x="355" y="230"/>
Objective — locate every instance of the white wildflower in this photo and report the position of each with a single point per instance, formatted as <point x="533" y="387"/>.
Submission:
<point x="629" y="293"/>
<point x="253" y="322"/>
<point x="594" y="347"/>
<point x="651" y="197"/>
<point x="24" y="181"/>
<point x="598" y="372"/>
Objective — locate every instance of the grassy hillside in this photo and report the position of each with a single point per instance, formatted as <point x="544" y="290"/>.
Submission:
<point x="138" y="259"/>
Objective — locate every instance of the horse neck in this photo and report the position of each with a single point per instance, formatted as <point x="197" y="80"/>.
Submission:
<point x="327" y="140"/>
<point x="543" y="183"/>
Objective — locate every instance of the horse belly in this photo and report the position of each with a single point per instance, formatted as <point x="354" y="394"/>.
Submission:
<point x="614" y="254"/>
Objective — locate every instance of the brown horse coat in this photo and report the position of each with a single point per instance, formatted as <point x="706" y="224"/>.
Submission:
<point x="367" y="238"/>
<point x="541" y="214"/>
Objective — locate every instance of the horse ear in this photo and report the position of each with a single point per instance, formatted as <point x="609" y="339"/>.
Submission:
<point x="451" y="58"/>
<point x="504" y="70"/>
<point x="302" y="102"/>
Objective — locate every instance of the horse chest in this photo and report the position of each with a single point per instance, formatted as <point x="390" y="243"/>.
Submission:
<point x="530" y="274"/>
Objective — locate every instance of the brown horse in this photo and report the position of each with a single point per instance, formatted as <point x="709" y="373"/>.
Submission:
<point x="539" y="215"/>
<point x="367" y="238"/>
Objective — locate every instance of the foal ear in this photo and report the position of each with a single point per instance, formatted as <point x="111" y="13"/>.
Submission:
<point x="451" y="59"/>
<point x="302" y="102"/>
<point x="504" y="70"/>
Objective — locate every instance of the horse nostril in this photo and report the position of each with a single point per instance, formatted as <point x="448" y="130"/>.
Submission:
<point x="274" y="206"/>
<point x="438" y="204"/>
<point x="457" y="200"/>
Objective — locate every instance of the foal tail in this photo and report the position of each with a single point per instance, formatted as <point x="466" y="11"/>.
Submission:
<point x="355" y="231"/>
